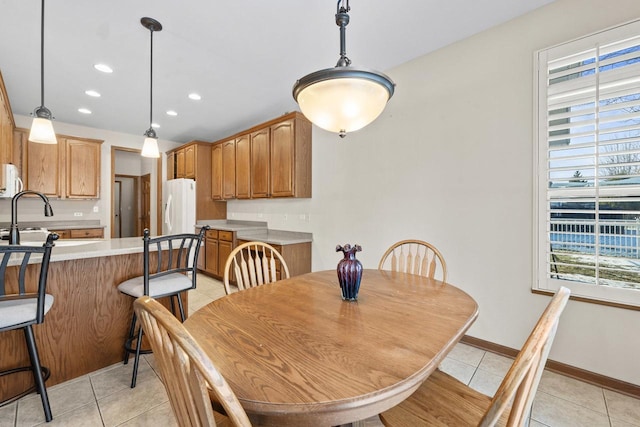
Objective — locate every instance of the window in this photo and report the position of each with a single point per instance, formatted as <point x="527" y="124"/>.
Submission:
<point x="588" y="174"/>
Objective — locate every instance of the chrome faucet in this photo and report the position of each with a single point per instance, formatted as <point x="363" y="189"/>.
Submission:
<point x="14" y="235"/>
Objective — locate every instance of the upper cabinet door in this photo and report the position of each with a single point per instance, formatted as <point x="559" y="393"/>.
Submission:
<point x="229" y="169"/>
<point x="171" y="165"/>
<point x="180" y="163"/>
<point x="260" y="163"/>
<point x="44" y="169"/>
<point x="216" y="172"/>
<point x="243" y="166"/>
<point x="83" y="169"/>
<point x="282" y="159"/>
<point x="190" y="162"/>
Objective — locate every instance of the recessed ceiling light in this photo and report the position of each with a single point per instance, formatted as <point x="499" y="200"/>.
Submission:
<point x="103" y="67"/>
<point x="84" y="110"/>
<point x="92" y="93"/>
<point x="171" y="113"/>
<point x="195" y="96"/>
<point x="155" y="125"/>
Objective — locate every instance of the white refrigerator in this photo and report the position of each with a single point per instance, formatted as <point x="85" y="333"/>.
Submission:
<point x="179" y="202"/>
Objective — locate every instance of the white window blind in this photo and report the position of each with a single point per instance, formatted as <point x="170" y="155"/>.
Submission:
<point x="588" y="233"/>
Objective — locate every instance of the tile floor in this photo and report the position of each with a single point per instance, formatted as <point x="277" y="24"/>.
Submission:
<point x="103" y="398"/>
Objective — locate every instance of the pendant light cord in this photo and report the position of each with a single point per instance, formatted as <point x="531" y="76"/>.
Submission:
<point x="150" y="84"/>
<point x="42" y="57"/>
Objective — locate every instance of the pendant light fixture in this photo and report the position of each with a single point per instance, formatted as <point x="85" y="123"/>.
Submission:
<point x="150" y="146"/>
<point x="344" y="98"/>
<point x="41" y="127"/>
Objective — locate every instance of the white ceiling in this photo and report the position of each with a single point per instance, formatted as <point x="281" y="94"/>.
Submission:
<point x="242" y="56"/>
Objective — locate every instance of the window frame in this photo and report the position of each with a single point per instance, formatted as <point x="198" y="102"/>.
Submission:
<point x="542" y="281"/>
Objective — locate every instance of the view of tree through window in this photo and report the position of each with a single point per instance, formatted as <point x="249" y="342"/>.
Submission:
<point x="592" y="145"/>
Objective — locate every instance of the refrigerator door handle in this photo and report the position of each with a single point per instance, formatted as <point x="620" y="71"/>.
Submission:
<point x="167" y="217"/>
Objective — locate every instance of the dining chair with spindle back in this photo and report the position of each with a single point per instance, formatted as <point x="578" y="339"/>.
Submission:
<point x="187" y="372"/>
<point x="444" y="401"/>
<point x="253" y="264"/>
<point x="414" y="257"/>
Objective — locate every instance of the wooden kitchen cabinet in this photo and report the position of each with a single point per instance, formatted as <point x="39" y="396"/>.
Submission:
<point x="243" y="166"/>
<point x="7" y="125"/>
<point x="171" y="165"/>
<point x="297" y="256"/>
<point x="223" y="170"/>
<point x="80" y="233"/>
<point x="69" y="169"/>
<point x="216" y="172"/>
<point x="180" y="164"/>
<point x="229" y="169"/>
<point x="260" y="169"/>
<point x="198" y="154"/>
<point x="218" y="246"/>
<point x="82" y="173"/>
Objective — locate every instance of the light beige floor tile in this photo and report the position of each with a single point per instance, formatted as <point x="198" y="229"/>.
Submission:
<point x="618" y="423"/>
<point x="485" y="382"/>
<point x="622" y="407"/>
<point x="63" y="398"/>
<point x="8" y="415"/>
<point x="118" y="378"/>
<point x="466" y="354"/>
<point x="458" y="370"/>
<point x="495" y="364"/>
<point x="161" y="415"/>
<point x="575" y="391"/>
<point x="556" y="412"/>
<point x="131" y="402"/>
<point x="85" y="416"/>
<point x="534" y="423"/>
<point x="197" y="300"/>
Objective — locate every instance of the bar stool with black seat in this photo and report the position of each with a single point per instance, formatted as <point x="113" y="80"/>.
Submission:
<point x="173" y="272"/>
<point x="22" y="306"/>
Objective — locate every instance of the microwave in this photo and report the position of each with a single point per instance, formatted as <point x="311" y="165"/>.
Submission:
<point x="11" y="183"/>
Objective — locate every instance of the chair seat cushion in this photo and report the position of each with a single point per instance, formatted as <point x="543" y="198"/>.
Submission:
<point x="19" y="311"/>
<point x="158" y="287"/>
<point x="440" y="401"/>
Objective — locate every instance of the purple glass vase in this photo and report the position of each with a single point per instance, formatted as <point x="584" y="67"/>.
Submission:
<point x="349" y="272"/>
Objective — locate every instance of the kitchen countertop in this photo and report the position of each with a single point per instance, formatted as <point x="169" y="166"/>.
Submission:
<point x="256" y="230"/>
<point x="57" y="225"/>
<point x="74" y="249"/>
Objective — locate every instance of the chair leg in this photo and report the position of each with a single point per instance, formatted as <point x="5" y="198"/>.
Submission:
<point x="37" y="372"/>
<point x="180" y="307"/>
<point x="136" y="360"/>
<point x="132" y="329"/>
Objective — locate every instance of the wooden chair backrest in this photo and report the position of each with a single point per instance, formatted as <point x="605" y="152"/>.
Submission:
<point x="518" y="388"/>
<point x="185" y="369"/>
<point x="414" y="257"/>
<point x="253" y="264"/>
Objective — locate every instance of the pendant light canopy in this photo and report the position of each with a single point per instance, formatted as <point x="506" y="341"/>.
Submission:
<point x="150" y="146"/>
<point x="41" y="127"/>
<point x="344" y="98"/>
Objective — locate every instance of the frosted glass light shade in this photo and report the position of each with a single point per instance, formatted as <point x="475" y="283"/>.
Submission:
<point x="343" y="99"/>
<point x="42" y="131"/>
<point x="150" y="148"/>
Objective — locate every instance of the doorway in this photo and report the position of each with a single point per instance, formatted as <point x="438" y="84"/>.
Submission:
<point x="136" y="193"/>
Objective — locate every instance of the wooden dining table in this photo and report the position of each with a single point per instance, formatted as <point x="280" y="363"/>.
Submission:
<point x="296" y="354"/>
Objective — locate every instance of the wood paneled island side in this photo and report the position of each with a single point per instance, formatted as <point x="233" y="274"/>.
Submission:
<point x="89" y="320"/>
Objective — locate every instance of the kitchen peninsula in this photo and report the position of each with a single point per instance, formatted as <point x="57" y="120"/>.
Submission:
<point x="89" y="320"/>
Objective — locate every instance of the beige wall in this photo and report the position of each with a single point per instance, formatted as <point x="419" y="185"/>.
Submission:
<point x="451" y="162"/>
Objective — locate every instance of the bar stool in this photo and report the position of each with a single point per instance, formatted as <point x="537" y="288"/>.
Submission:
<point x="174" y="272"/>
<point x="22" y="308"/>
